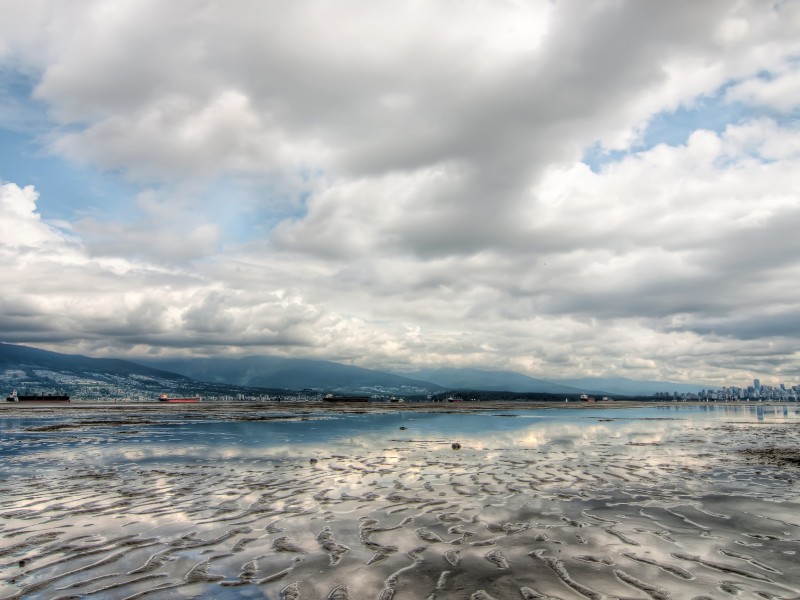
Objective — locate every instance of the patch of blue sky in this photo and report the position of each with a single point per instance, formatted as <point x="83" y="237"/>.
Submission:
<point x="249" y="210"/>
<point x="66" y="190"/>
<point x="673" y="128"/>
<point x="245" y="209"/>
<point x="18" y="110"/>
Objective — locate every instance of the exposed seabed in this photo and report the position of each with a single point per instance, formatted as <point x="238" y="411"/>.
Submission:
<point x="611" y="507"/>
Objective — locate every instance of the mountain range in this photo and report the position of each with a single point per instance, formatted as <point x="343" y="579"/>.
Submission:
<point x="22" y="366"/>
<point x="25" y="358"/>
<point x="290" y="374"/>
<point x="505" y="381"/>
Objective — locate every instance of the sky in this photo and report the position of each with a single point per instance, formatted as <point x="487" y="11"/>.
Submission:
<point x="560" y="188"/>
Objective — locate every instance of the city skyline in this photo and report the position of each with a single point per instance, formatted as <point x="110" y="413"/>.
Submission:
<point x="557" y="189"/>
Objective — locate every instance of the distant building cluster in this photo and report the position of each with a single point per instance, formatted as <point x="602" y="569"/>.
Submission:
<point x="779" y="393"/>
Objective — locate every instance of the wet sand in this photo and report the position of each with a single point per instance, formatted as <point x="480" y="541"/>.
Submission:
<point x="616" y="507"/>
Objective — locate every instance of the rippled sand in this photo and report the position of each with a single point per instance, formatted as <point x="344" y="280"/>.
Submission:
<point x="599" y="512"/>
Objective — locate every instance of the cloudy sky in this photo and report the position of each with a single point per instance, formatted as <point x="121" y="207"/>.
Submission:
<point x="559" y="187"/>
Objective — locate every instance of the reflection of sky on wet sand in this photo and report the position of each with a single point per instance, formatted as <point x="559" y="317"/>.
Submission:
<point x="551" y="427"/>
<point x="611" y="500"/>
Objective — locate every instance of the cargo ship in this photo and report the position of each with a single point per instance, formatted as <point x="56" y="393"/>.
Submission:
<point x="332" y="398"/>
<point x="191" y="400"/>
<point x="14" y="397"/>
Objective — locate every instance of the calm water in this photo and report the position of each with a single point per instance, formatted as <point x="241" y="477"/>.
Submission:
<point x="191" y="439"/>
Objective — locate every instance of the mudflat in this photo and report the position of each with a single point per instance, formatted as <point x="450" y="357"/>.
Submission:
<point x="445" y="501"/>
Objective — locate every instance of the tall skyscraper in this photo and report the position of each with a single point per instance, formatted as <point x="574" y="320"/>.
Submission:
<point x="757" y="384"/>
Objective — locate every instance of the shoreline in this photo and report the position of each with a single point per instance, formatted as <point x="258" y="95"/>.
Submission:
<point x="373" y="407"/>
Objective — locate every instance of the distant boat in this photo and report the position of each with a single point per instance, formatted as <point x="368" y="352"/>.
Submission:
<point x="191" y="400"/>
<point x="588" y="398"/>
<point x="14" y="397"/>
<point x="332" y="398"/>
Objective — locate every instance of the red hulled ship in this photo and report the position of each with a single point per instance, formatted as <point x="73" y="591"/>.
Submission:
<point x="191" y="400"/>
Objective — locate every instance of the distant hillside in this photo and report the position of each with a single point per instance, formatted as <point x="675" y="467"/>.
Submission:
<point x="290" y="374"/>
<point x="631" y="387"/>
<point x="34" y="369"/>
<point x="29" y="359"/>
<point x="500" y="381"/>
<point x="31" y="370"/>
